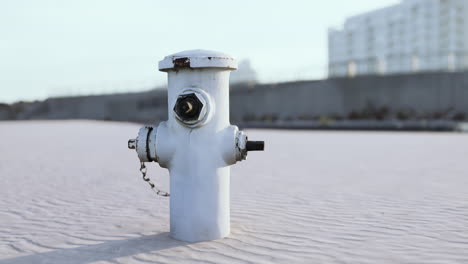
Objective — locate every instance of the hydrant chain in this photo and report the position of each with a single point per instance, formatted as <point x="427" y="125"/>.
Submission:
<point x="143" y="171"/>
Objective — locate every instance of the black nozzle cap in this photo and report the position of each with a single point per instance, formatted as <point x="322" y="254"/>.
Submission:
<point x="255" y="145"/>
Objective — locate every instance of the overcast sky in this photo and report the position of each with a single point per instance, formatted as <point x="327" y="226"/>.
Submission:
<point x="60" y="47"/>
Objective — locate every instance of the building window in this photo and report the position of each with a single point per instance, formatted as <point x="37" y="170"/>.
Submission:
<point x="452" y="62"/>
<point x="352" y="69"/>
<point x="415" y="63"/>
<point x="381" y="66"/>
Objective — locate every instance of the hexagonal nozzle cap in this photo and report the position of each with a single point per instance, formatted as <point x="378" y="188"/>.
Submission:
<point x="188" y="107"/>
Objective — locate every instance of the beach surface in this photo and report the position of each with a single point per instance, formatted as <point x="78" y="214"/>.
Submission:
<point x="71" y="192"/>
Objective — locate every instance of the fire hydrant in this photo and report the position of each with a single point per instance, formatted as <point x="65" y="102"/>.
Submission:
<point x="197" y="144"/>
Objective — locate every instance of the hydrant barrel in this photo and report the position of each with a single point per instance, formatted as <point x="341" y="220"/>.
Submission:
<point x="197" y="143"/>
<point x="198" y="103"/>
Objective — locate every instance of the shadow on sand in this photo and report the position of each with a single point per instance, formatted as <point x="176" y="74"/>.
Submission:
<point x="101" y="252"/>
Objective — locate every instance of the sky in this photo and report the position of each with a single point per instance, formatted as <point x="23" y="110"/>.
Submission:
<point x="63" y="48"/>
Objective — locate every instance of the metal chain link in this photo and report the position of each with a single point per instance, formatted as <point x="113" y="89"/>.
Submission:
<point x="143" y="171"/>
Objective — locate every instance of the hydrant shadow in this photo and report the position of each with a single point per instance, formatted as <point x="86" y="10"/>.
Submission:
<point x="105" y="251"/>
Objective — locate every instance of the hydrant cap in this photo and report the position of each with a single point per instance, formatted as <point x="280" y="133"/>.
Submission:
<point x="197" y="59"/>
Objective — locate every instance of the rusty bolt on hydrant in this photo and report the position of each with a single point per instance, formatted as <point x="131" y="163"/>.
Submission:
<point x="197" y="143"/>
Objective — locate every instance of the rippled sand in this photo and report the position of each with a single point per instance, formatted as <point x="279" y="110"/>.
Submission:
<point x="70" y="192"/>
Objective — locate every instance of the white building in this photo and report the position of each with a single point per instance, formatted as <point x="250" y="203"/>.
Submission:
<point x="415" y="35"/>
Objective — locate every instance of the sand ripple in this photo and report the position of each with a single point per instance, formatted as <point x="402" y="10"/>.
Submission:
<point x="71" y="193"/>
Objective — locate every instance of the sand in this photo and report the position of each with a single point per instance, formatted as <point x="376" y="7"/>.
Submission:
<point x="70" y="192"/>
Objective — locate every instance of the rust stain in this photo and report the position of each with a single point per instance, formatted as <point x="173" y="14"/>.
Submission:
<point x="181" y="63"/>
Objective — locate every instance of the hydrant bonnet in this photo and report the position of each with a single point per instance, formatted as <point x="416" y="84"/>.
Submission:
<point x="197" y="59"/>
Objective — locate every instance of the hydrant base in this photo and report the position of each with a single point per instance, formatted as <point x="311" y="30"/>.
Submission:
<point x="198" y="239"/>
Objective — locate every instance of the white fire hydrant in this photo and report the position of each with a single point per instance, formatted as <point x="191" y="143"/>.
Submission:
<point x="197" y="143"/>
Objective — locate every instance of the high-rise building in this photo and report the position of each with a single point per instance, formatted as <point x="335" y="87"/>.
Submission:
<point x="412" y="36"/>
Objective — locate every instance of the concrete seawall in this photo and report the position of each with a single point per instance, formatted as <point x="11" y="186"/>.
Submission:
<point x="412" y="96"/>
<point x="424" y="97"/>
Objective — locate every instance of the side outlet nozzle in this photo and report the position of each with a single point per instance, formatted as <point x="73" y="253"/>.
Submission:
<point x="255" y="145"/>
